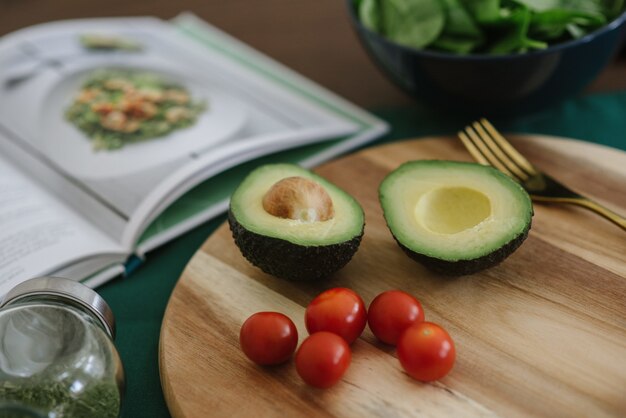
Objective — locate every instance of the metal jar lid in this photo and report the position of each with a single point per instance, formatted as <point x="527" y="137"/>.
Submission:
<point x="66" y="290"/>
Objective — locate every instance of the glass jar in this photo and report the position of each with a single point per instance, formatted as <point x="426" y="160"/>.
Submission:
<point x="57" y="357"/>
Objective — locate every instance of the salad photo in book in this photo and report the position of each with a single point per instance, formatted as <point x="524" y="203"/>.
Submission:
<point x="142" y="115"/>
<point x="117" y="107"/>
<point x="117" y="135"/>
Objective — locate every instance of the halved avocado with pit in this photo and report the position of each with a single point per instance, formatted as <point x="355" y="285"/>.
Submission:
<point x="455" y="218"/>
<point x="294" y="224"/>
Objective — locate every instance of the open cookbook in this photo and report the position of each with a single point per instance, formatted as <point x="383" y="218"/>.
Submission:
<point x="117" y="135"/>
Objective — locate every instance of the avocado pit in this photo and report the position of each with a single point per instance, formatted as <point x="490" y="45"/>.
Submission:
<point x="299" y="199"/>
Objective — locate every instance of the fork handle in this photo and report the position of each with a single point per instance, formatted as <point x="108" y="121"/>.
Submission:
<point x="587" y="204"/>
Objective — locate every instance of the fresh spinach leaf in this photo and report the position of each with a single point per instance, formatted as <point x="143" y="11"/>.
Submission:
<point x="575" y="31"/>
<point x="553" y="24"/>
<point x="516" y="39"/>
<point x="588" y="6"/>
<point x="460" y="33"/>
<point x="483" y="11"/>
<point x="413" y="23"/>
<point x="369" y="14"/>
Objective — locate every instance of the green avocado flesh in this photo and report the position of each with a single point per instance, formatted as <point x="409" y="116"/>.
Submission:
<point x="456" y="218"/>
<point x="291" y="248"/>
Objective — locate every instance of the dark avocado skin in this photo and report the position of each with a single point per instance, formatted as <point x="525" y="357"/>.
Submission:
<point x="465" y="267"/>
<point x="290" y="261"/>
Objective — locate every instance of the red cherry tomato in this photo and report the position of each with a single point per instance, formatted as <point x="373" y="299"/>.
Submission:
<point x="426" y="351"/>
<point x="391" y="312"/>
<point x="340" y="311"/>
<point x="322" y="359"/>
<point x="268" y="338"/>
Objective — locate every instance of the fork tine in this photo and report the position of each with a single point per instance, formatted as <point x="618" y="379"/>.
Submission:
<point x="485" y="151"/>
<point x="469" y="145"/>
<point x="513" y="154"/>
<point x="510" y="164"/>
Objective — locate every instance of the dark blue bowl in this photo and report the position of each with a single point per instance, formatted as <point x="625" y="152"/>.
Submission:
<point x="495" y="84"/>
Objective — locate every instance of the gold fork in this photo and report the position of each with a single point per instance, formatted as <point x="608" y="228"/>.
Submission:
<point x="489" y="147"/>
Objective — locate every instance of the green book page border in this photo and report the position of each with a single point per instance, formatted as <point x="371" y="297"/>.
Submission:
<point x="219" y="188"/>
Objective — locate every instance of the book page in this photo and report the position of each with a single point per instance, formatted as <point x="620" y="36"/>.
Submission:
<point x="148" y="111"/>
<point x="38" y="234"/>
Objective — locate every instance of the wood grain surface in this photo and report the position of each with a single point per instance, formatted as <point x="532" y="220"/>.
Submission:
<point x="542" y="334"/>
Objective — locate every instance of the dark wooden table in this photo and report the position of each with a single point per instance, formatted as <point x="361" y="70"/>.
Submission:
<point x="312" y="37"/>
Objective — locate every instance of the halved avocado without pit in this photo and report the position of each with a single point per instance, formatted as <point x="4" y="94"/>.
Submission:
<point x="455" y="218"/>
<point x="294" y="224"/>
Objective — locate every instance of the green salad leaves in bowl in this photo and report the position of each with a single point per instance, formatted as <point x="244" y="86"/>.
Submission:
<point x="490" y="56"/>
<point x="486" y="26"/>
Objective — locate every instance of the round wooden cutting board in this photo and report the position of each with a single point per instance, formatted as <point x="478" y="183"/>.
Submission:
<point x="542" y="334"/>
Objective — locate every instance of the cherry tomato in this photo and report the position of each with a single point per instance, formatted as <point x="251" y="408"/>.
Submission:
<point x="391" y="312"/>
<point x="426" y="351"/>
<point x="322" y="359"/>
<point x="337" y="310"/>
<point x="268" y="338"/>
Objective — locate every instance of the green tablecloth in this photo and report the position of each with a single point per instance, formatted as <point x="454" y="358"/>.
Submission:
<point x="139" y="301"/>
